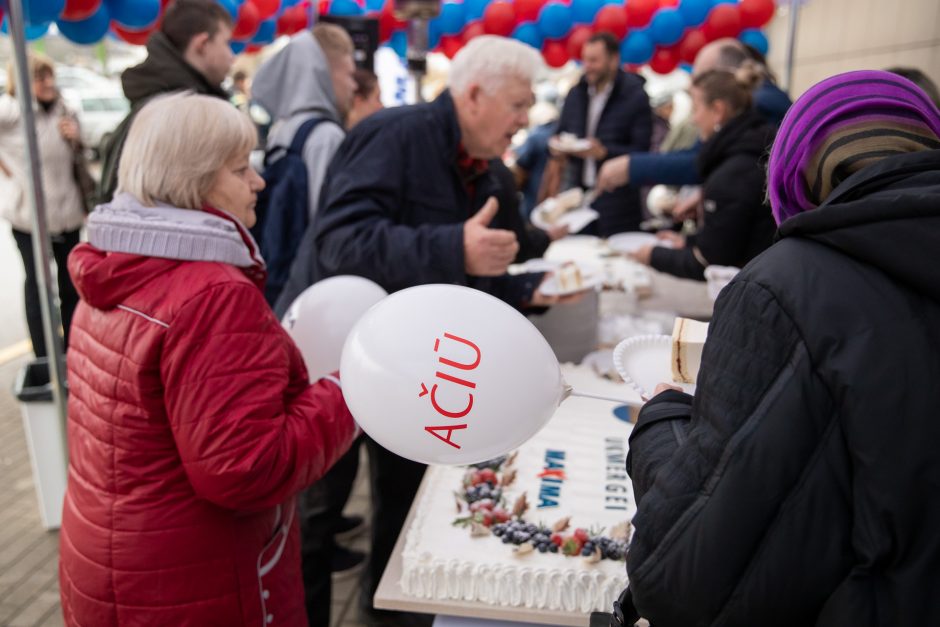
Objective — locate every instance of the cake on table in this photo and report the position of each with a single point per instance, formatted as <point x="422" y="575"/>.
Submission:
<point x="688" y="340"/>
<point x="544" y="527"/>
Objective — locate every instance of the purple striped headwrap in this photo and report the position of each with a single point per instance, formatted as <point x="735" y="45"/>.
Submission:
<point x="840" y="126"/>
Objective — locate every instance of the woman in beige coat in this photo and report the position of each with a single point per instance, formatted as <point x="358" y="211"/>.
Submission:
<point x="57" y="135"/>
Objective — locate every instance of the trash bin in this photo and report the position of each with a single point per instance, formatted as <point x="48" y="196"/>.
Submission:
<point x="45" y="439"/>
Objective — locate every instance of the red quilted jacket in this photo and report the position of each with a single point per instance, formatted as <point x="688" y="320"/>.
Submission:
<point x="191" y="427"/>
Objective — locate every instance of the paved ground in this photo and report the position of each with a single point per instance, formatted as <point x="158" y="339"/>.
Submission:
<point x="29" y="592"/>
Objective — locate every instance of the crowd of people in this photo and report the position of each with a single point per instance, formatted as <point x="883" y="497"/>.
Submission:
<point x="208" y="475"/>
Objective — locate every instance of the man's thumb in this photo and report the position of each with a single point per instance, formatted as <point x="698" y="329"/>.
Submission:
<point x="487" y="212"/>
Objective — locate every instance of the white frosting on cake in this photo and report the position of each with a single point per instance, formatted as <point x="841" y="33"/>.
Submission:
<point x="442" y="561"/>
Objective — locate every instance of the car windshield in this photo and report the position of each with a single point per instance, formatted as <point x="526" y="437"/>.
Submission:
<point x="115" y="103"/>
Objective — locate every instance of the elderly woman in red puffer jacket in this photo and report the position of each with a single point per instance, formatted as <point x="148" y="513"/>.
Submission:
<point x="192" y="424"/>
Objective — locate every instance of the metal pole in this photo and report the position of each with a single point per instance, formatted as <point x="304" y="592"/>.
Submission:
<point x="41" y="242"/>
<point x="418" y="53"/>
<point x="791" y="43"/>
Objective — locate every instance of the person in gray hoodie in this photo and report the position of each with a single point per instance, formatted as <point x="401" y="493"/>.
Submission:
<point x="313" y="77"/>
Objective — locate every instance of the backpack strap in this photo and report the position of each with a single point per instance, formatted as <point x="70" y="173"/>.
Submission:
<point x="297" y="144"/>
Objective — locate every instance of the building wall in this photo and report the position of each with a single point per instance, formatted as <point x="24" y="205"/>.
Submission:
<point x="840" y="35"/>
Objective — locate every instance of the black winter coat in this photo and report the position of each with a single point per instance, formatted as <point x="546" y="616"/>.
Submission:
<point x="805" y="488"/>
<point x="625" y="126"/>
<point x="738" y="225"/>
<point x="393" y="206"/>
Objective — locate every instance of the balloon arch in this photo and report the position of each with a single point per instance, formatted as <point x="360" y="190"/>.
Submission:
<point x="662" y="33"/>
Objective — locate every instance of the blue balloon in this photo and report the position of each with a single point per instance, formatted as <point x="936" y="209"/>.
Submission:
<point x="434" y="34"/>
<point x="89" y="30"/>
<point x="371" y="5"/>
<point x="32" y="31"/>
<point x="232" y="7"/>
<point x="554" y="20"/>
<point x="39" y="13"/>
<point x="637" y="47"/>
<point x="583" y="11"/>
<point x="237" y="47"/>
<point x="667" y="27"/>
<point x="475" y="9"/>
<point x="399" y="43"/>
<point x="694" y="12"/>
<point x="266" y="32"/>
<point x="452" y="18"/>
<point x="715" y="3"/>
<point x="756" y="39"/>
<point x="345" y="8"/>
<point x="528" y="33"/>
<point x="686" y="67"/>
<point x="134" y="14"/>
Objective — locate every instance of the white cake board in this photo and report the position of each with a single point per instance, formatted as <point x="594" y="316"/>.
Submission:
<point x="389" y="595"/>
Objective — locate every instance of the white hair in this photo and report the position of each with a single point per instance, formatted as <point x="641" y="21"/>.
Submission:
<point x="489" y="60"/>
<point x="176" y="146"/>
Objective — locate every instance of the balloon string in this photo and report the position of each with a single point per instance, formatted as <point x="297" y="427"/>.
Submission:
<point x="600" y="398"/>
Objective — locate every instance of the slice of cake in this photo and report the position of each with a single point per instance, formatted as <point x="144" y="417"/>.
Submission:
<point x="569" y="277"/>
<point x="564" y="202"/>
<point x="688" y="339"/>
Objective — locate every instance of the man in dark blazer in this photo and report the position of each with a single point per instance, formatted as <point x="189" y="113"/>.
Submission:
<point x="611" y="108"/>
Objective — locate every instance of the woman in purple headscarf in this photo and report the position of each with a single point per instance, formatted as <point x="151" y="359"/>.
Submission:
<point x="801" y="485"/>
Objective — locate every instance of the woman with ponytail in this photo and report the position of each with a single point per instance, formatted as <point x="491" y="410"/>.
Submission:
<point x="736" y="224"/>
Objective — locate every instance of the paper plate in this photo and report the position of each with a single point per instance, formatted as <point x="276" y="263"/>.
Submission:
<point x="589" y="281"/>
<point x="576" y="145"/>
<point x="575" y="220"/>
<point x="644" y="361"/>
<point x="631" y="242"/>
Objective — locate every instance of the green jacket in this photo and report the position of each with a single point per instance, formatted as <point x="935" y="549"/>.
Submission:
<point x="163" y="71"/>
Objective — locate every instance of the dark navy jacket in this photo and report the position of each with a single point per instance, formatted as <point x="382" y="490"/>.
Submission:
<point x="393" y="206"/>
<point x="625" y="126"/>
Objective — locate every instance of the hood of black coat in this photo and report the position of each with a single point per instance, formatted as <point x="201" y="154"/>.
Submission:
<point x="747" y="134"/>
<point x="886" y="215"/>
<point x="163" y="71"/>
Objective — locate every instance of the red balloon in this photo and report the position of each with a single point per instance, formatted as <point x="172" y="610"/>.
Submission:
<point x="756" y="13"/>
<point x="555" y="53"/>
<point x="723" y="21"/>
<point x="323" y="7"/>
<point x="249" y="19"/>
<point x="528" y="10"/>
<point x="611" y="19"/>
<point x="450" y="45"/>
<point x="473" y="29"/>
<point x="253" y="49"/>
<point x="691" y="43"/>
<point x="267" y="8"/>
<point x="665" y="60"/>
<point x="576" y="40"/>
<point x="136" y="37"/>
<point x="499" y="18"/>
<point x="640" y="12"/>
<point x="667" y="4"/>
<point x="292" y="20"/>
<point x="79" y="9"/>
<point x="388" y="23"/>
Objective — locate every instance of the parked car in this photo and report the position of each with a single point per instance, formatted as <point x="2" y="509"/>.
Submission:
<point x="99" y="112"/>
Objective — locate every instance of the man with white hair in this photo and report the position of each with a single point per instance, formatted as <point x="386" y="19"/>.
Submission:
<point x="414" y="196"/>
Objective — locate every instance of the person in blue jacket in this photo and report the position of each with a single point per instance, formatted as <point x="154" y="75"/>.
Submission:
<point x="611" y="108"/>
<point x="679" y="168"/>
